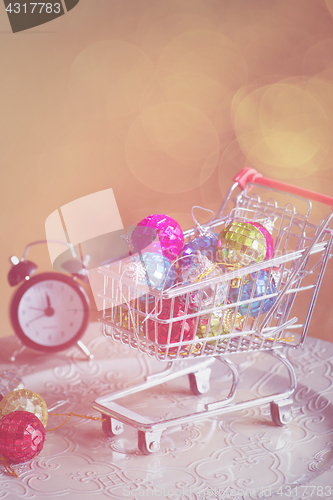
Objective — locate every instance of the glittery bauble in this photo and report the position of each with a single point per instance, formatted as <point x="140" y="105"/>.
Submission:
<point x="205" y="244"/>
<point x="24" y="400"/>
<point x="134" y="270"/>
<point x="230" y="322"/>
<point x="201" y="269"/>
<point x="22" y="436"/>
<point x="181" y="330"/>
<point x="258" y="288"/>
<point x="171" y="238"/>
<point x="240" y="244"/>
<point x="268" y="237"/>
<point x="9" y="382"/>
<point x="158" y="271"/>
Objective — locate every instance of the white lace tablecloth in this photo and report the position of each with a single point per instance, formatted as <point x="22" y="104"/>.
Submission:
<point x="239" y="455"/>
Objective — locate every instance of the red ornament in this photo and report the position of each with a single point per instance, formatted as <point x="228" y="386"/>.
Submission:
<point x="22" y="436"/>
<point x="159" y="332"/>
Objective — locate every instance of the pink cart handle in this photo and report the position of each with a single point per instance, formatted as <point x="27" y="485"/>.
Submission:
<point x="251" y="175"/>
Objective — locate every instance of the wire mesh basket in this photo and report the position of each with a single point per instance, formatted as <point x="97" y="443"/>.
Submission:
<point x="221" y="312"/>
<point x="132" y="311"/>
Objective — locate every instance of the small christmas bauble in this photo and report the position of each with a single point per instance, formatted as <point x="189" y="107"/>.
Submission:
<point x="240" y="244"/>
<point x="169" y="232"/>
<point x="205" y="244"/>
<point x="182" y="330"/>
<point x="230" y="321"/>
<point x="200" y="269"/>
<point x="156" y="270"/>
<point x="24" y="400"/>
<point x="9" y="382"/>
<point x="268" y="237"/>
<point x="22" y="436"/>
<point x="134" y="270"/>
<point x="258" y="288"/>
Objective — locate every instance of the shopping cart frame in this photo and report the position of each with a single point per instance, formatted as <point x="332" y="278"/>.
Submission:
<point x="264" y="334"/>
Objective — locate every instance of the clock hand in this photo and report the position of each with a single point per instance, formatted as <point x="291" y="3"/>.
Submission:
<point x="41" y="316"/>
<point x="48" y="301"/>
<point x="49" y="311"/>
<point x="37" y="308"/>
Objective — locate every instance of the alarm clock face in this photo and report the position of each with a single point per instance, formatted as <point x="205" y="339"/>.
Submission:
<point x="50" y="312"/>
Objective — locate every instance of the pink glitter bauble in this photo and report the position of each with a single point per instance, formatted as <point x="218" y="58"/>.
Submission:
<point x="22" y="436"/>
<point x="268" y="237"/>
<point x="168" y="230"/>
<point x="159" y="332"/>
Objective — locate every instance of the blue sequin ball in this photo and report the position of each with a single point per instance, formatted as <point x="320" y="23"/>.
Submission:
<point x="205" y="244"/>
<point x="259" y="291"/>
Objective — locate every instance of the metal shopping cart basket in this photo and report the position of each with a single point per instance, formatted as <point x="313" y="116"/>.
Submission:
<point x="132" y="310"/>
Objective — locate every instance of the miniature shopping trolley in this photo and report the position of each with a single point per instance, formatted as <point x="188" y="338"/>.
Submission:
<point x="301" y="251"/>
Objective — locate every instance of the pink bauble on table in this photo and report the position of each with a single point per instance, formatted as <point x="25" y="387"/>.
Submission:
<point x="22" y="436"/>
<point x="268" y="237"/>
<point x="169" y="232"/>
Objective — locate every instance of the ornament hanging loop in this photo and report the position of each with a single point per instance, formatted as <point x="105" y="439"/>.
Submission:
<point x="202" y="230"/>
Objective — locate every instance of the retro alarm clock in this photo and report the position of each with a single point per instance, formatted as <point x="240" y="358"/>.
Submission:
<point x="49" y="311"/>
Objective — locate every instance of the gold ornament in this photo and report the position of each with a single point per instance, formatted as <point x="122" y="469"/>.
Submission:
<point x="24" y="400"/>
<point x="240" y="243"/>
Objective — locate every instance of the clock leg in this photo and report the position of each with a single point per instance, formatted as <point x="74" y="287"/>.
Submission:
<point x="85" y="349"/>
<point x="17" y="352"/>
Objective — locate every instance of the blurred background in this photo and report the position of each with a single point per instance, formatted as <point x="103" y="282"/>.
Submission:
<point x="164" y="101"/>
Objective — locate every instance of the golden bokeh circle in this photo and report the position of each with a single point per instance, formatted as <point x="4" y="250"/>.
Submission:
<point x="172" y="147"/>
<point x="197" y="90"/>
<point x="110" y="79"/>
<point x="283" y="126"/>
<point x="204" y="52"/>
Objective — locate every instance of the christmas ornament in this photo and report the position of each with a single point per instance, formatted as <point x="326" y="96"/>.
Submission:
<point x="255" y="285"/>
<point x="169" y="232"/>
<point x="151" y="269"/>
<point x="22" y="436"/>
<point x="134" y="270"/>
<point x="8" y="383"/>
<point x="240" y="244"/>
<point x="199" y="269"/>
<point x="268" y="237"/>
<point x="205" y="244"/>
<point x="181" y="330"/>
<point x="157" y="270"/>
<point x="24" y="400"/>
<point x="230" y="321"/>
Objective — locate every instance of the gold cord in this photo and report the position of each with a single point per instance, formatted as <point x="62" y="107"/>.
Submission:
<point x="8" y="468"/>
<point x="232" y="267"/>
<point x="71" y="414"/>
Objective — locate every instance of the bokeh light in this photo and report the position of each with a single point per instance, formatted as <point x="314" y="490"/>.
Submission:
<point x="172" y="147"/>
<point x="109" y="80"/>
<point x="204" y="52"/>
<point x="282" y="125"/>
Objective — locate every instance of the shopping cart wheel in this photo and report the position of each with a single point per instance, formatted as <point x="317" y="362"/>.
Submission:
<point x="111" y="427"/>
<point x="281" y="412"/>
<point x="199" y="381"/>
<point x="149" y="442"/>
